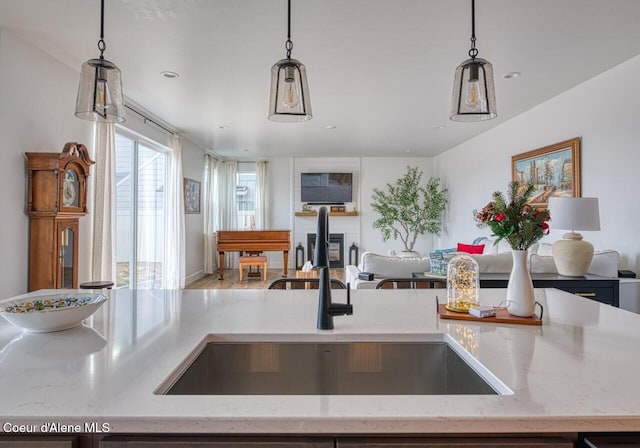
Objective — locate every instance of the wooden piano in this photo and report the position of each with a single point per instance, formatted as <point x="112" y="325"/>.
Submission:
<point x="253" y="241"/>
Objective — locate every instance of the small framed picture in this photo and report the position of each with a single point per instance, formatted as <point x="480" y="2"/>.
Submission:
<point x="191" y="196"/>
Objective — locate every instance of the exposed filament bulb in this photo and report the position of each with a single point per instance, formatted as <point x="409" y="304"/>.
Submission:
<point x="102" y="95"/>
<point x="473" y="94"/>
<point x="291" y="96"/>
<point x="474" y="97"/>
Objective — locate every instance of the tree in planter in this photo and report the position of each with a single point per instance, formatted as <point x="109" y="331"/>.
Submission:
<point x="408" y="209"/>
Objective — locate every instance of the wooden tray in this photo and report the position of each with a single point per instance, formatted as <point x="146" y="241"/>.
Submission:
<point x="503" y="317"/>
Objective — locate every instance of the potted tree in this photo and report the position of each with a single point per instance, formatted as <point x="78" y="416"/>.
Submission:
<point x="408" y="209"/>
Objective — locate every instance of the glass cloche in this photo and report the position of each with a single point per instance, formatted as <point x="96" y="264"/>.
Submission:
<point x="463" y="283"/>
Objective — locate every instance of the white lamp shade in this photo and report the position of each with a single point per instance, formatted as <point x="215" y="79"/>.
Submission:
<point x="571" y="254"/>
<point x="574" y="213"/>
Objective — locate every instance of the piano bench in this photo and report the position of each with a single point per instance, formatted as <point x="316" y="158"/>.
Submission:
<point x="255" y="260"/>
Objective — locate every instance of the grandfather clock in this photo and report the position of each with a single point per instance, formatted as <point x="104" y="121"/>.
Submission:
<point x="56" y="200"/>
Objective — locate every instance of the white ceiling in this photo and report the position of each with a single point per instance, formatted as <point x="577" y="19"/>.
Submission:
<point x="381" y="71"/>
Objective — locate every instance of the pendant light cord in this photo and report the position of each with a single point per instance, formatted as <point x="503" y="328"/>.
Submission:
<point x="101" y="45"/>
<point x="288" y="45"/>
<point x="473" y="52"/>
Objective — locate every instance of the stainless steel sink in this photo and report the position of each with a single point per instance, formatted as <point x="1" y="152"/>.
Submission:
<point x="327" y="368"/>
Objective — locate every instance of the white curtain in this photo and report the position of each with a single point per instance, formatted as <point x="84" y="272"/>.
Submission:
<point x="227" y="204"/>
<point x="173" y="275"/>
<point x="210" y="195"/>
<point x="103" y="219"/>
<point x="261" y="195"/>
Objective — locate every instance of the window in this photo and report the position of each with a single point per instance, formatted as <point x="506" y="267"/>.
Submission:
<point x="141" y="175"/>
<point x="246" y="199"/>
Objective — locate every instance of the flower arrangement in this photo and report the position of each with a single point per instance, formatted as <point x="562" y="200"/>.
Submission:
<point x="515" y="221"/>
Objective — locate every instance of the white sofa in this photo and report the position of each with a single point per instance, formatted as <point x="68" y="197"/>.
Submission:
<point x="495" y="259"/>
<point x="382" y="266"/>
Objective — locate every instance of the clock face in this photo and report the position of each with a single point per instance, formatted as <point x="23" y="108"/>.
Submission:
<point x="70" y="189"/>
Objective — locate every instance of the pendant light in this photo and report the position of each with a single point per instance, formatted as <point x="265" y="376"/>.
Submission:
<point x="474" y="95"/>
<point x="289" y="99"/>
<point x="100" y="91"/>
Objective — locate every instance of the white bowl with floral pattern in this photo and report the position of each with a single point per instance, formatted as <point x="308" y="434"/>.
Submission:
<point x="51" y="312"/>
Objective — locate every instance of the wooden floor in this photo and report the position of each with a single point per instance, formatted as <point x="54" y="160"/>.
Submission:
<point x="231" y="279"/>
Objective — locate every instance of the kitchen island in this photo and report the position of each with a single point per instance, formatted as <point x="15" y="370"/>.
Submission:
<point x="578" y="372"/>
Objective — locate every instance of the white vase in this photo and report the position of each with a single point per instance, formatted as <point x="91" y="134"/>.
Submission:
<point x="408" y="254"/>
<point x="520" y="295"/>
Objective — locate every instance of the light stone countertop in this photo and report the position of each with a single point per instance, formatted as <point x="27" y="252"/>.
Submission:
<point x="578" y="372"/>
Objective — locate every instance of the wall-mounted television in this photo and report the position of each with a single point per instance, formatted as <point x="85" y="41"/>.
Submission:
<point x="326" y="188"/>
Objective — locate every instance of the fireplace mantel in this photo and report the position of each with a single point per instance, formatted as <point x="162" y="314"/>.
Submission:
<point x="313" y="213"/>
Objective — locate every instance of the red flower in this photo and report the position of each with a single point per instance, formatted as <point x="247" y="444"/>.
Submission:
<point x="499" y="217"/>
<point x="545" y="226"/>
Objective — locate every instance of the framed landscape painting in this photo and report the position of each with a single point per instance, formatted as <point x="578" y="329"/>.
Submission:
<point x="554" y="171"/>
<point x="191" y="196"/>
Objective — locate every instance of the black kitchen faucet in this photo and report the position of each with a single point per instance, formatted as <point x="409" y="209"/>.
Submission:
<point x="326" y="309"/>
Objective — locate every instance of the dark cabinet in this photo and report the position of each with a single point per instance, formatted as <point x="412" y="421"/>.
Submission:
<point x="611" y="440"/>
<point x="601" y="294"/>
<point x="594" y="287"/>
<point x="39" y="442"/>
<point x="479" y="441"/>
<point x="170" y="441"/>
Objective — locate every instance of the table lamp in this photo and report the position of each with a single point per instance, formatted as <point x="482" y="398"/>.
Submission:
<point x="571" y="254"/>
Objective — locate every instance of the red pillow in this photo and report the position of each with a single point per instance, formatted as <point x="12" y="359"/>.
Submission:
<point x="470" y="248"/>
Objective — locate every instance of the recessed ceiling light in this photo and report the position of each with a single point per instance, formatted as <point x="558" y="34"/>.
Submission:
<point x="511" y="75"/>
<point x="170" y="75"/>
<point x="407" y="150"/>
<point x="331" y="126"/>
<point x="439" y="127"/>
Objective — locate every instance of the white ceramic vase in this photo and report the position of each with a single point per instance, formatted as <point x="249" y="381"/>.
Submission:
<point x="408" y="254"/>
<point x="520" y="295"/>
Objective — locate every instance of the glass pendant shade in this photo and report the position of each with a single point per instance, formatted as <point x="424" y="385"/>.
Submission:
<point x="474" y="95"/>
<point x="100" y="92"/>
<point x="289" y="99"/>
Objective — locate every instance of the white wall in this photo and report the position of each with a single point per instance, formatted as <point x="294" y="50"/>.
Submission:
<point x="37" y="105"/>
<point x="279" y="198"/>
<point x="369" y="173"/>
<point x="348" y="226"/>
<point x="604" y="112"/>
<point x="377" y="172"/>
<point x="193" y="168"/>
